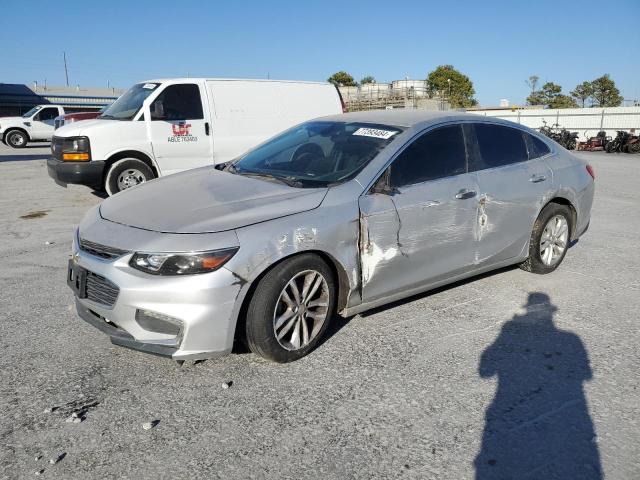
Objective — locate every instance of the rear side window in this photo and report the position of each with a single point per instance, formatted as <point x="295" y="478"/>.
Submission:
<point x="537" y="148"/>
<point x="180" y="102"/>
<point x="436" y="154"/>
<point x="499" y="145"/>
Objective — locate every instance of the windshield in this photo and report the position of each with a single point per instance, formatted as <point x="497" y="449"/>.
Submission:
<point x="316" y="154"/>
<point x="31" y="112"/>
<point x="126" y="107"/>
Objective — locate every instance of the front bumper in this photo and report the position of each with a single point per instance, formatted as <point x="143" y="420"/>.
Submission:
<point x="202" y="305"/>
<point x="88" y="173"/>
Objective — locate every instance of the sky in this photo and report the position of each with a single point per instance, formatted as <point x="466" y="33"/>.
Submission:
<point x="498" y="44"/>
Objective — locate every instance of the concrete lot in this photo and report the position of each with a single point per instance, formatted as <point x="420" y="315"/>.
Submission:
<point x="402" y="392"/>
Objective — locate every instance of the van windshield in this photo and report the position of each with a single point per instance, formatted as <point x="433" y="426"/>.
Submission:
<point x="129" y="103"/>
<point x="31" y="112"/>
<point x="316" y="153"/>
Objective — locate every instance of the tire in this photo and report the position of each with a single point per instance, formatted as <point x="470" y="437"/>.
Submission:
<point x="633" y="147"/>
<point x="539" y="260"/>
<point x="16" y="139"/>
<point x="126" y="173"/>
<point x="269" y="311"/>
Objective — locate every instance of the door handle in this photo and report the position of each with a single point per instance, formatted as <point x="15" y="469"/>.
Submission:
<point x="464" y="194"/>
<point x="206" y="128"/>
<point x="537" y="178"/>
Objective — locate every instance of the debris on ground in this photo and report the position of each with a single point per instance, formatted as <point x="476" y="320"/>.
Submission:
<point x="57" y="458"/>
<point x="150" y="425"/>
<point x="226" y="385"/>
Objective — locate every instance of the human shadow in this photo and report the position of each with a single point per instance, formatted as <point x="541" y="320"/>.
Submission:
<point x="538" y="425"/>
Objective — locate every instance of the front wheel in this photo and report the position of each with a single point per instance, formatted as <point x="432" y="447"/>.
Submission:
<point x="549" y="239"/>
<point x="291" y="309"/>
<point x="126" y="173"/>
<point x="16" y="139"/>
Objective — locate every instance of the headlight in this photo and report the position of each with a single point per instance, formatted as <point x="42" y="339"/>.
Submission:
<point x="181" y="263"/>
<point x="76" y="148"/>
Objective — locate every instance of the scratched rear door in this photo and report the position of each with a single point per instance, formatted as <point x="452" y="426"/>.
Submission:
<point x="513" y="189"/>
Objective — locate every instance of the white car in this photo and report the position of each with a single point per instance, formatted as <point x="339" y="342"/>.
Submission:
<point x="35" y="125"/>
<point x="160" y="127"/>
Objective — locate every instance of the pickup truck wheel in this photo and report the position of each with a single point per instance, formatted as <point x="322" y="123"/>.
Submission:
<point x="126" y="173"/>
<point x="16" y="139"/>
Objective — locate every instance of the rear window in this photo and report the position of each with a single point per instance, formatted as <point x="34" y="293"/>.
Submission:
<point x="500" y="145"/>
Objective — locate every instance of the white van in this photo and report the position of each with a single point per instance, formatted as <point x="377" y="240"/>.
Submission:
<point x="160" y="127"/>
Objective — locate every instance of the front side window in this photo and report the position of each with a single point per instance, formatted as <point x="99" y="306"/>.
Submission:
<point x="47" y="114"/>
<point x="317" y="153"/>
<point x="499" y="145"/>
<point x="436" y="154"/>
<point x="129" y="103"/>
<point x="178" y="102"/>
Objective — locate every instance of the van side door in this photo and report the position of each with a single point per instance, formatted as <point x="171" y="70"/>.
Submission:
<point x="178" y="126"/>
<point x="514" y="182"/>
<point x="421" y="230"/>
<point x="42" y="123"/>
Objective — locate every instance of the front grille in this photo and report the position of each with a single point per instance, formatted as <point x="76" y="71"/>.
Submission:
<point x="101" y="251"/>
<point x="56" y="147"/>
<point x="101" y="290"/>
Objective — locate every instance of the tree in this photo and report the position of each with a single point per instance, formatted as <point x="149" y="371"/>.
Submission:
<point x="342" y="79"/>
<point x="563" y="101"/>
<point x="605" y="93"/>
<point x="532" y="81"/>
<point x="367" y="79"/>
<point x="448" y="82"/>
<point x="551" y="96"/>
<point x="583" y="92"/>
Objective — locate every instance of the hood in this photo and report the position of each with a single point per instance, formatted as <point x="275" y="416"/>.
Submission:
<point x="73" y="129"/>
<point x="12" y="121"/>
<point x="207" y="200"/>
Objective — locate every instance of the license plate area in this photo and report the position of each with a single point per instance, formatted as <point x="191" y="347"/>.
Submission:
<point x="77" y="279"/>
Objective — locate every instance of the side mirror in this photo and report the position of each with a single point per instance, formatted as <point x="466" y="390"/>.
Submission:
<point x="382" y="185"/>
<point x="157" y="110"/>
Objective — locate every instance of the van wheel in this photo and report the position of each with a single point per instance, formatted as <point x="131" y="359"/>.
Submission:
<point x="16" y="139"/>
<point x="127" y="173"/>
<point x="549" y="239"/>
<point x="291" y="309"/>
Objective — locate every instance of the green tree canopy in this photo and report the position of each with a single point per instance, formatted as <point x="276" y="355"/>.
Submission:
<point x="453" y="85"/>
<point x="605" y="93"/>
<point x="551" y="96"/>
<point x="582" y="92"/>
<point x="367" y="79"/>
<point x="342" y="79"/>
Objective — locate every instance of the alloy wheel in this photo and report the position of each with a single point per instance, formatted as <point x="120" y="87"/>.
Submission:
<point x="554" y="239"/>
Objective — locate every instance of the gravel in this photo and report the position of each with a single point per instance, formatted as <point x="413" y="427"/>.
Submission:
<point x="405" y="391"/>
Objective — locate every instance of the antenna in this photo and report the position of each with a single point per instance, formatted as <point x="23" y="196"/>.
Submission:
<point x="66" y="73"/>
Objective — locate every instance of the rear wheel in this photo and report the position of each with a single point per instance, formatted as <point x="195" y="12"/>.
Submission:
<point x="549" y="239"/>
<point x="126" y="173"/>
<point x="291" y="309"/>
<point x="16" y="139"/>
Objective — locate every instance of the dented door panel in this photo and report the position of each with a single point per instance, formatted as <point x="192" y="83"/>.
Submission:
<point x="418" y="235"/>
<point x="510" y="200"/>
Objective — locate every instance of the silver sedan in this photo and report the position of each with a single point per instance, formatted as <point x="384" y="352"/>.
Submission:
<point x="334" y="216"/>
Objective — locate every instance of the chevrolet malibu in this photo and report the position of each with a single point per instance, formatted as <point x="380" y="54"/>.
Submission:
<point x="334" y="216"/>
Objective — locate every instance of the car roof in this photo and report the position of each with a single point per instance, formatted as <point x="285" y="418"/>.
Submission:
<point x="412" y="118"/>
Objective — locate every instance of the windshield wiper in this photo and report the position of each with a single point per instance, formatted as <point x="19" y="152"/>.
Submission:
<point x="106" y="116"/>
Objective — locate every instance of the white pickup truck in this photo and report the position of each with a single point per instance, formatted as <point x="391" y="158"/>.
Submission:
<point x="35" y="125"/>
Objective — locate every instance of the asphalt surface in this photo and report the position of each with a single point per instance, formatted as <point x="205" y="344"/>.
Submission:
<point x="408" y="391"/>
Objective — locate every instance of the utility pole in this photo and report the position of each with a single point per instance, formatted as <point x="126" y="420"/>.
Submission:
<point x="66" y="73"/>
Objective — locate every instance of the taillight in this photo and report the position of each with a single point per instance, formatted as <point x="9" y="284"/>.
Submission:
<point x="591" y="172"/>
